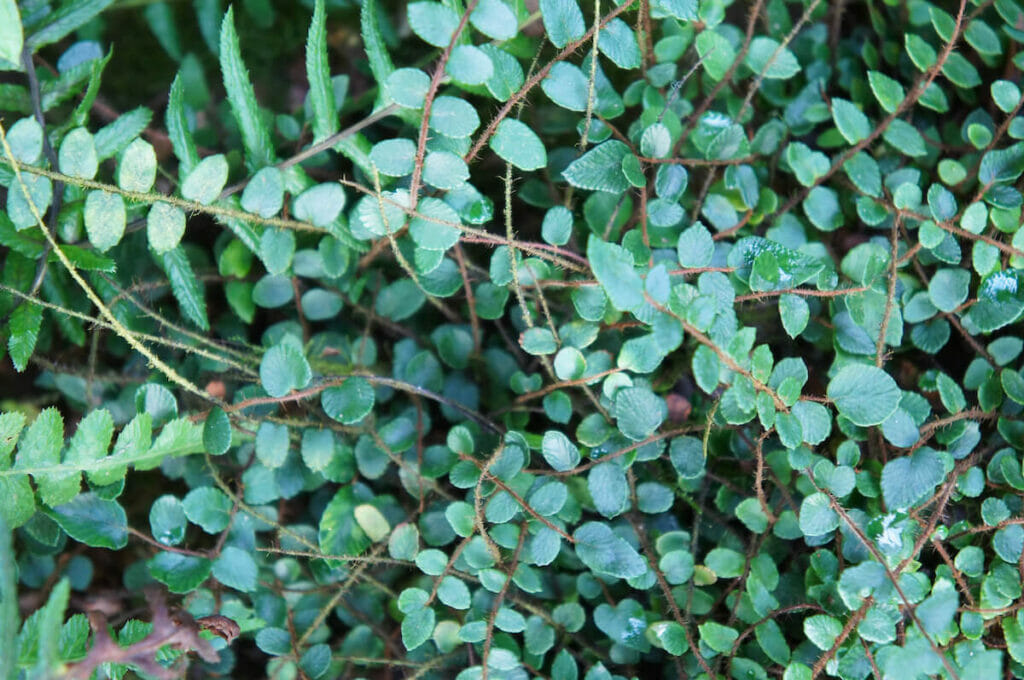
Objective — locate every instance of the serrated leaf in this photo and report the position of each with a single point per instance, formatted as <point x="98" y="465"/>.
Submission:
<point x="23" y="328"/>
<point x="563" y="21"/>
<point x="853" y="125"/>
<point x="57" y="24"/>
<point x="255" y="135"/>
<point x="349" y="402"/>
<point x="618" y="43"/>
<point x="185" y="287"/>
<point x="769" y="59"/>
<point x="909" y="480"/>
<point x="613" y="266"/>
<point x="605" y="553"/>
<point x="282" y="369"/>
<point x="608" y="488"/>
<point x="178" y="130"/>
<point x="865" y="394"/>
<point x="318" y="73"/>
<point x="95" y="521"/>
<point x="600" y="169"/>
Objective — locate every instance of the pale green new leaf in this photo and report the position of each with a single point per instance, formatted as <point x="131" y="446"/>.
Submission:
<point x="11" y="35"/>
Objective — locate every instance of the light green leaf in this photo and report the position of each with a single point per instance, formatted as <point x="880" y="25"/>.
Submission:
<point x="204" y="183"/>
<point x="563" y="21"/>
<point x="613" y="266"/>
<point x="519" y="145"/>
<point x="458" y="118"/>
<point x="817" y="517"/>
<point x="176" y="121"/>
<point x="372" y="521"/>
<point x="408" y="87"/>
<point x="165" y="225"/>
<point x="320" y="204"/>
<point x="277" y="246"/>
<point x="376" y="50"/>
<point x="105" y="219"/>
<point x="559" y="451"/>
<point x="909" y="480"/>
<point x="394" y="157"/>
<point x="494" y="19"/>
<point x="136" y="171"/>
<point x="339" y="532"/>
<point x="469" y="65"/>
<point x="617" y="42"/>
<point x="605" y="553"/>
<point x="417" y="627"/>
<point x="77" y="156"/>
<point x="433" y="22"/>
<point x="167" y="520"/>
<point x="236" y="569"/>
<point x="949" y="288"/>
<point x="11" y="35"/>
<point x="566" y="86"/>
<point x="638" y="412"/>
<point x="272" y="444"/>
<point x="716" y="53"/>
<point x="600" y="169"/>
<point x="282" y="369"/>
<point x="695" y="246"/>
<point x="608" y="488"/>
<point x="768" y="58"/>
<point x="865" y="394"/>
<point x="718" y="637"/>
<point x="853" y="125"/>
<point x="795" y="313"/>
<point x="264" y="194"/>
<point x="208" y="507"/>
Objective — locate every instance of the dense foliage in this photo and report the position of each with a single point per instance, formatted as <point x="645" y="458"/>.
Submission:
<point x="496" y="339"/>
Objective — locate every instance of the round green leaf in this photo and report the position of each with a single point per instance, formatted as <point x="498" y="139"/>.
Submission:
<point x="105" y="219"/>
<point x="206" y="180"/>
<point x="282" y="369"/>
<point x="136" y="170"/>
<point x="349" y="402"/>
<point x="165" y="225"/>
<point x="519" y="145"/>
<point x="865" y="394"/>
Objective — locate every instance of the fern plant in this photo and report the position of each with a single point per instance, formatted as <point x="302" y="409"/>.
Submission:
<point x="662" y="338"/>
